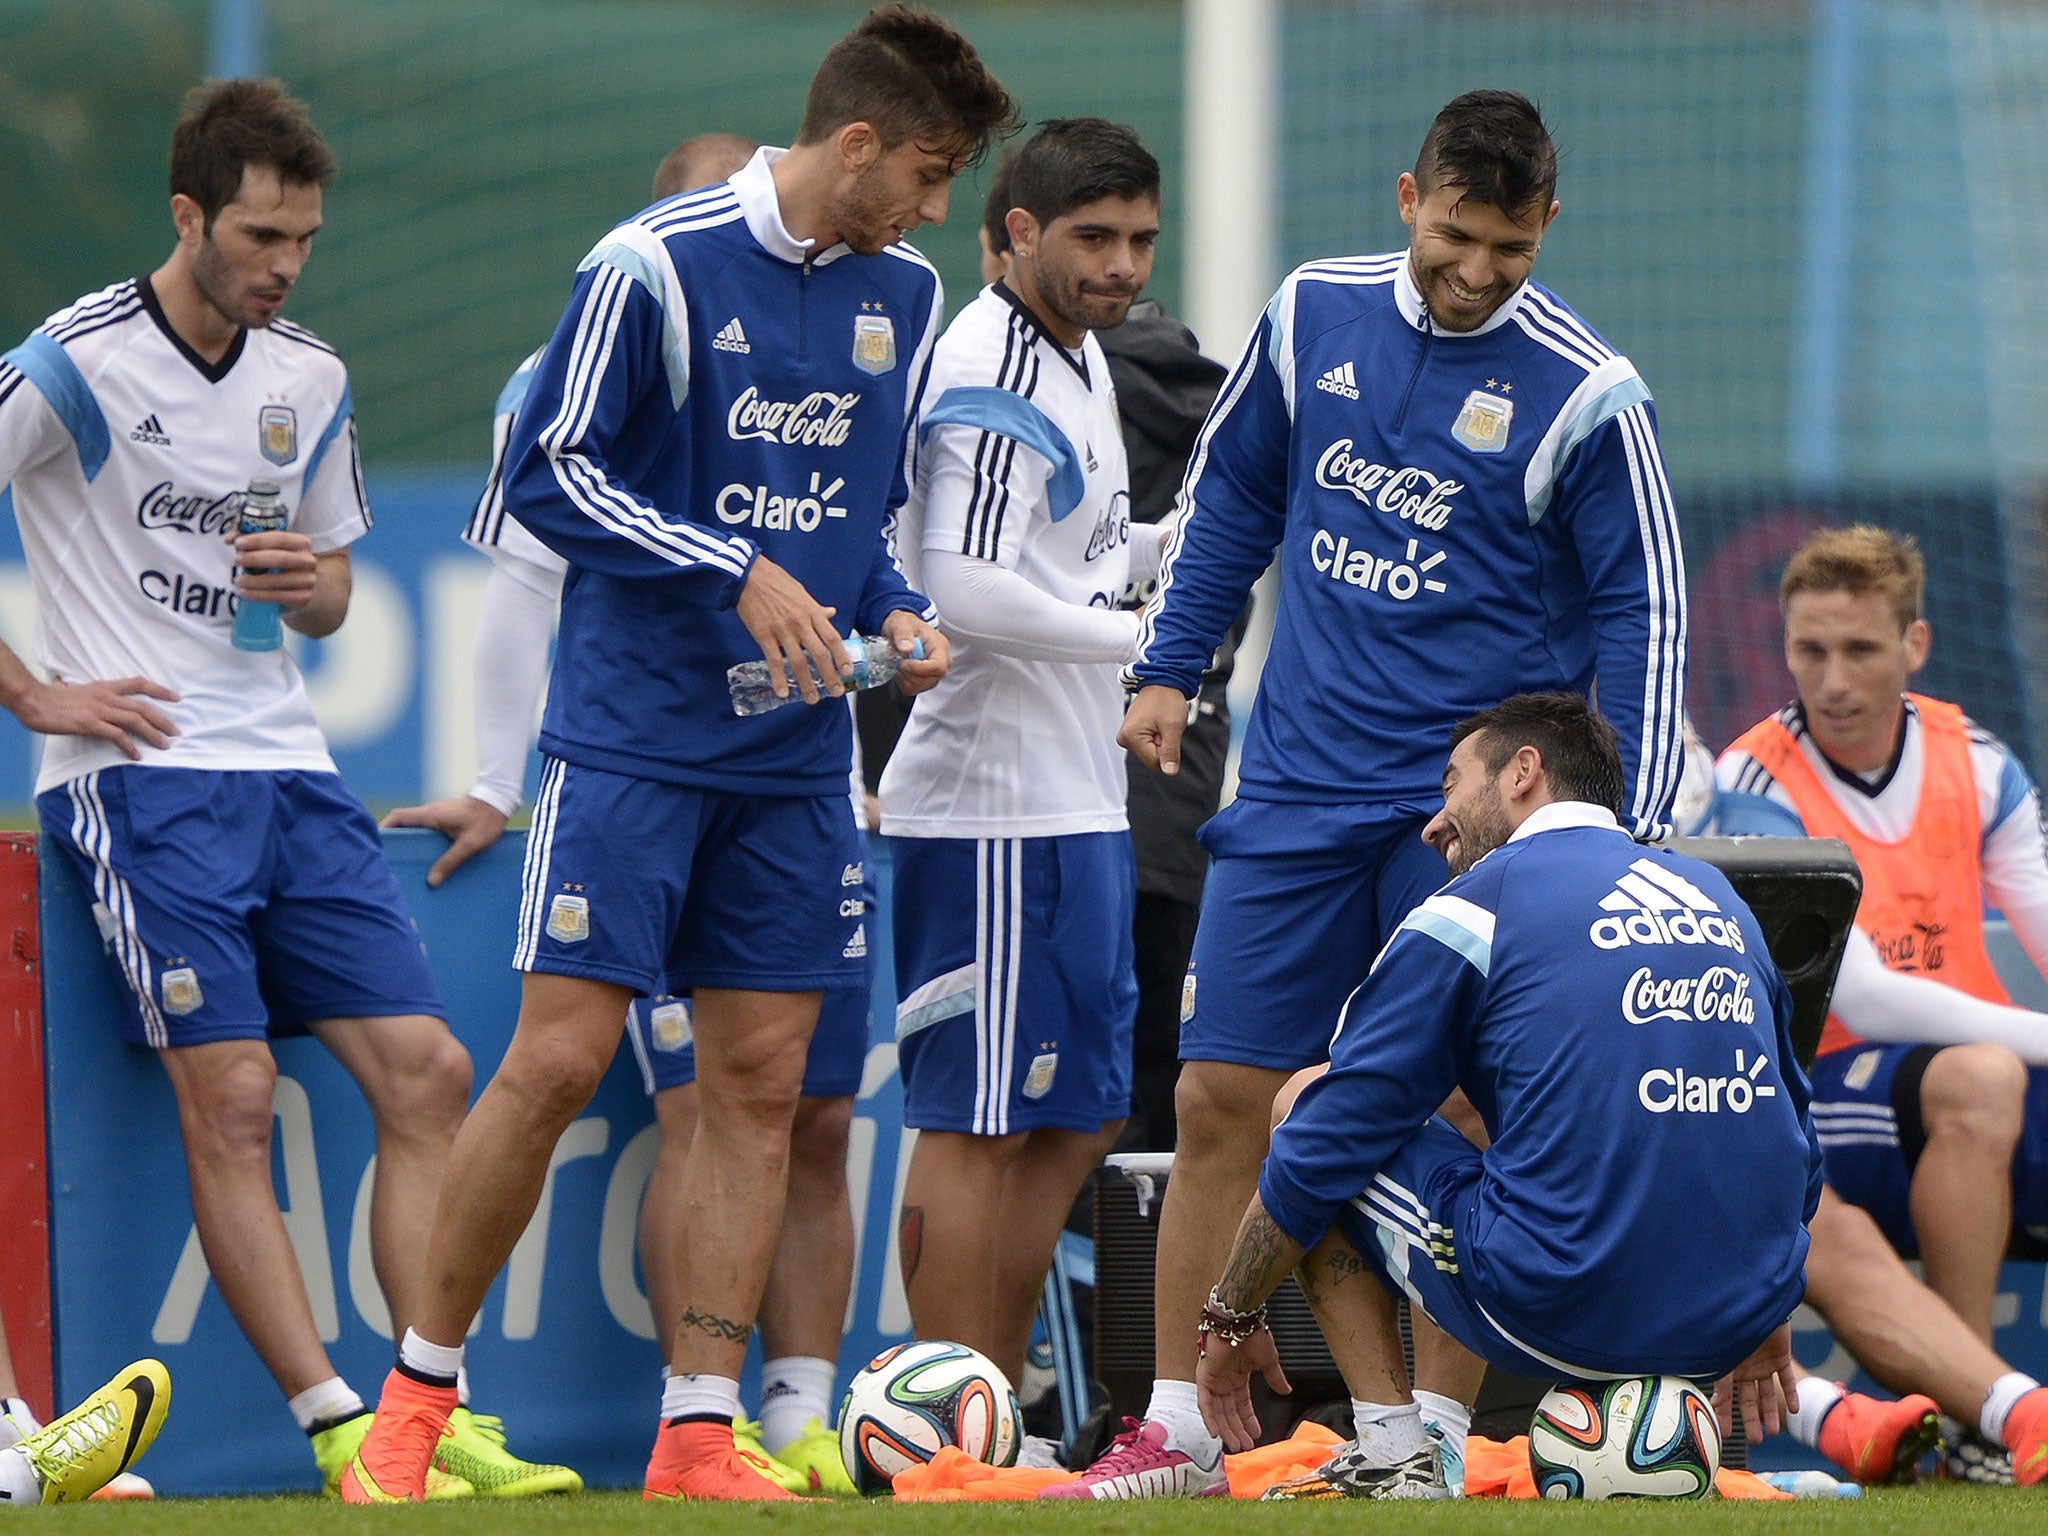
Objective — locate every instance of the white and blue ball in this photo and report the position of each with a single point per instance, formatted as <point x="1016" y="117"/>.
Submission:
<point x="1644" y="1437"/>
<point x="912" y="1401"/>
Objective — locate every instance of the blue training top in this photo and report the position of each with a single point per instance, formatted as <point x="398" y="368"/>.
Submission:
<point x="713" y="392"/>
<point x="1614" y="1016"/>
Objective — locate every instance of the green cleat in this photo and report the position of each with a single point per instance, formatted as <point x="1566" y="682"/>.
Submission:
<point x="474" y="1451"/>
<point x="746" y="1439"/>
<point x="84" y="1450"/>
<point x="335" y="1447"/>
<point x="815" y="1454"/>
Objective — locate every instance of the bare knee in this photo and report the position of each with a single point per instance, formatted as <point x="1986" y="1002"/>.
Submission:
<point x="1223" y="1109"/>
<point x="226" y="1109"/>
<point x="818" y="1138"/>
<point x="553" y="1076"/>
<point x="1975" y="1093"/>
<point x="427" y="1089"/>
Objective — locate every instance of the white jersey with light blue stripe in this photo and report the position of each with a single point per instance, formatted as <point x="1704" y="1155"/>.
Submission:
<point x="129" y="457"/>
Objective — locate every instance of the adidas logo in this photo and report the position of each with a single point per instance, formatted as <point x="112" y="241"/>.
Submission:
<point x="857" y="946"/>
<point x="1340" y="381"/>
<point x="1652" y="905"/>
<point x="150" y="430"/>
<point x="732" y="338"/>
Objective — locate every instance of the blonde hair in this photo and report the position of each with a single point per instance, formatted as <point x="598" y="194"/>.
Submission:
<point x="1857" y="560"/>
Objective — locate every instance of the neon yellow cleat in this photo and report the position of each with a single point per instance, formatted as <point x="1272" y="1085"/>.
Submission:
<point x="335" y="1447"/>
<point x="84" y="1450"/>
<point x="474" y="1451"/>
<point x="815" y="1454"/>
<point x="746" y="1439"/>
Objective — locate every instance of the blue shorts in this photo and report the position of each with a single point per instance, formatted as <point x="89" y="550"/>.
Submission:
<point x="1286" y="937"/>
<point x="1017" y="981"/>
<point x="1866" y="1109"/>
<point x="1406" y="1227"/>
<point x="240" y="904"/>
<point x="665" y="887"/>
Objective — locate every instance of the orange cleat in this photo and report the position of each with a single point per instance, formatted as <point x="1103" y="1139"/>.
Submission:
<point x="2026" y="1437"/>
<point x="390" y="1466"/>
<point x="1877" y="1441"/>
<point x="699" y="1461"/>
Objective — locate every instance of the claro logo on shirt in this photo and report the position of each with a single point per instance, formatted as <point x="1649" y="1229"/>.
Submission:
<point x="755" y="506"/>
<point x="819" y="420"/>
<point x="1675" y="1091"/>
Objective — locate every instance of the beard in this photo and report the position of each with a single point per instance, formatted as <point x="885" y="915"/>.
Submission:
<point x="862" y="217"/>
<point x="1481" y="830"/>
<point x="215" y="280"/>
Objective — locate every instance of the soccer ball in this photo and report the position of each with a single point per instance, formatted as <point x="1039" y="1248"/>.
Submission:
<point x="912" y="1401"/>
<point x="1646" y="1437"/>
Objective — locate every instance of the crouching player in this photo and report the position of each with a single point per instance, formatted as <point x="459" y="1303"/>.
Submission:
<point x="1641" y="1208"/>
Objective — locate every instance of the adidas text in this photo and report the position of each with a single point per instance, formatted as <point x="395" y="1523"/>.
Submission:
<point x="732" y="338"/>
<point x="1341" y="380"/>
<point x="1666" y="928"/>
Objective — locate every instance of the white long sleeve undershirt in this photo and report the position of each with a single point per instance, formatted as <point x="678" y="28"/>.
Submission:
<point x="515" y="626"/>
<point x="1895" y="1007"/>
<point x="990" y="606"/>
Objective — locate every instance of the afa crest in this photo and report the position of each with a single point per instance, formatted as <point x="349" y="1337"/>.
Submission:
<point x="1482" y="425"/>
<point x="874" y="343"/>
<point x="569" y="919"/>
<point x="277" y="433"/>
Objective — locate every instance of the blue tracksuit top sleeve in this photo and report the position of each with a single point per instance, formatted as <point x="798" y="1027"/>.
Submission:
<point x="597" y="414"/>
<point x="1615" y="502"/>
<point x="1395" y="1058"/>
<point x="1235" y="502"/>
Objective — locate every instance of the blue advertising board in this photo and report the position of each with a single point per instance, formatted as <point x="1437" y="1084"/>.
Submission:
<point x="564" y="1347"/>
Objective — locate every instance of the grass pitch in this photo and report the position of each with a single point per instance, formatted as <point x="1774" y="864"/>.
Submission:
<point x="1938" y="1510"/>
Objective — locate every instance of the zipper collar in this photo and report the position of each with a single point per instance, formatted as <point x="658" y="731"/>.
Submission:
<point x="1416" y="313"/>
<point x="754" y="186"/>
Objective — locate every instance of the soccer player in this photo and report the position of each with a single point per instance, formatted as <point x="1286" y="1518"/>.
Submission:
<point x="1921" y="1088"/>
<point x="715" y="442"/>
<point x="1014" y="874"/>
<point x="804" y="1306"/>
<point x="1463" y="483"/>
<point x="1548" y="1254"/>
<point x="241" y="888"/>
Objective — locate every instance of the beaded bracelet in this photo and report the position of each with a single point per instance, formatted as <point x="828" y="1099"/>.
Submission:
<point x="1227" y="1323"/>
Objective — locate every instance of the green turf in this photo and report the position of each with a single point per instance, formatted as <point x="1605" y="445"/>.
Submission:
<point x="1945" y="1510"/>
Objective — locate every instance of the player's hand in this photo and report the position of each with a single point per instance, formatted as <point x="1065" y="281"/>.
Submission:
<point x="118" y="711"/>
<point x="1764" y="1386"/>
<point x="794" y="632"/>
<point x="277" y="567"/>
<point x="468" y="823"/>
<point x="1223" y="1385"/>
<point x="905" y="629"/>
<point x="1153" y="726"/>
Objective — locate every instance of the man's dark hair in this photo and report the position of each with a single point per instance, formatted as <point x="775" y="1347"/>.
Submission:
<point x="229" y="125"/>
<point x="1581" y="754"/>
<point x="910" y="77"/>
<point x="700" y="161"/>
<point x="995" y="213"/>
<point x="1071" y="161"/>
<point x="1493" y="145"/>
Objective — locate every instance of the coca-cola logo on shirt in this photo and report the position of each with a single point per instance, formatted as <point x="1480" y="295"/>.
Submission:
<point x="214" y="517"/>
<point x="819" y="420"/>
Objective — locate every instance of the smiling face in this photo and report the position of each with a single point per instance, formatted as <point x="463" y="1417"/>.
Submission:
<point x="891" y="192"/>
<point x="1083" y="270"/>
<point x="1475" y="818"/>
<point x="1851" y="659"/>
<point x="246" y="264"/>
<point x="1468" y="257"/>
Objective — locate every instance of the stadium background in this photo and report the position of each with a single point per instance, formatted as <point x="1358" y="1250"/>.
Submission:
<point x="1813" y="226"/>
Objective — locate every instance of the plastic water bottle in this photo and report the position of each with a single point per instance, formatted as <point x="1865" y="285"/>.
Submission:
<point x="875" y="661"/>
<point x="1811" y="1483"/>
<point x="260" y="626"/>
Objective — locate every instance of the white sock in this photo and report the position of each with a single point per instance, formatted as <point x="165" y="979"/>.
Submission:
<point x="462" y="1385"/>
<point x="700" y="1397"/>
<point x="1388" y="1433"/>
<point x="1816" y="1397"/>
<point x="1451" y="1419"/>
<point x="18" y="1481"/>
<point x="16" y="1420"/>
<point x="794" y="1390"/>
<point x="2005" y="1391"/>
<point x="438" y="1363"/>
<point x="1173" y="1405"/>
<point x="324" y="1403"/>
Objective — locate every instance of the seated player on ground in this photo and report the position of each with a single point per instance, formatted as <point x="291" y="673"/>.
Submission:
<point x="1546" y="1254"/>
<point x="1927" y="1114"/>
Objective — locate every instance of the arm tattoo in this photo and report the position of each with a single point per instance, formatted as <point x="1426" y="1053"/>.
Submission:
<point x="723" y="1328"/>
<point x="1261" y="1257"/>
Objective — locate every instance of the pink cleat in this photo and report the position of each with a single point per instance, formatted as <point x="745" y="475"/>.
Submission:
<point x="1139" y="1464"/>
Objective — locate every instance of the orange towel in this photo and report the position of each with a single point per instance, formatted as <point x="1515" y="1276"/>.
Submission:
<point x="1497" y="1469"/>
